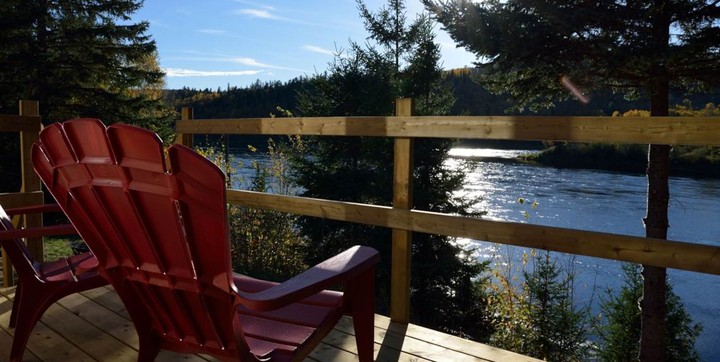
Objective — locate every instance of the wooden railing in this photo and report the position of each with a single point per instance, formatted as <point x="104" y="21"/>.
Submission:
<point x="28" y="125"/>
<point x="404" y="127"/>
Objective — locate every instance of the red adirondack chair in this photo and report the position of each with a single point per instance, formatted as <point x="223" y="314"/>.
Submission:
<point x="160" y="233"/>
<point x="41" y="284"/>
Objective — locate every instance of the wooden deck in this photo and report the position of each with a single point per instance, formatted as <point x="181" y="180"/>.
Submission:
<point x="93" y="326"/>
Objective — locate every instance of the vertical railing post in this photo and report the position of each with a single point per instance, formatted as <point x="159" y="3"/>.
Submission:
<point x="30" y="181"/>
<point x="401" y="239"/>
<point x="185" y="139"/>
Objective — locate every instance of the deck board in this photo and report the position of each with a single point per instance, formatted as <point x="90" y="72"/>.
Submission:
<point x="94" y="326"/>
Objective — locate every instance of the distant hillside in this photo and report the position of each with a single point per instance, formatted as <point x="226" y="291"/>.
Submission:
<point x="262" y="99"/>
<point x="256" y="100"/>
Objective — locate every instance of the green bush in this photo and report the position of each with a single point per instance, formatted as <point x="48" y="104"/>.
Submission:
<point x="264" y="244"/>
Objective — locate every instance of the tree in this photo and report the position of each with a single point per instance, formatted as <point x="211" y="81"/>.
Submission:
<point x="558" y="332"/>
<point x="620" y="327"/>
<point x="539" y="316"/>
<point x="80" y="58"/>
<point x="365" y="80"/>
<point x="388" y="27"/>
<point x="542" y="51"/>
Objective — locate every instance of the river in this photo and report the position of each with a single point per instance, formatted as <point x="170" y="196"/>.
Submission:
<point x="596" y="201"/>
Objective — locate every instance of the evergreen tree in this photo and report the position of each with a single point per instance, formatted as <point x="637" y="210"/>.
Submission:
<point x="540" y="319"/>
<point x="537" y="51"/>
<point x="619" y="330"/>
<point x="559" y="329"/>
<point x="80" y="58"/>
<point x="366" y="81"/>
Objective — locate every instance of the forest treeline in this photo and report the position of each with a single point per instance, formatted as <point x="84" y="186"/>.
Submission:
<point x="260" y="99"/>
<point x="471" y="98"/>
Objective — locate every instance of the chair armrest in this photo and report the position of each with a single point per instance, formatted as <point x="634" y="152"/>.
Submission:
<point x="340" y="268"/>
<point x="35" y="209"/>
<point x="65" y="229"/>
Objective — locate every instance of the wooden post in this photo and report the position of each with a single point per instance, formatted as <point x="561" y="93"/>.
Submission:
<point x="401" y="239"/>
<point x="182" y="138"/>
<point x="30" y="181"/>
<point x="29" y="189"/>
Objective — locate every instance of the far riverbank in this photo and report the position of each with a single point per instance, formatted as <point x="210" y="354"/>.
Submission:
<point x="685" y="161"/>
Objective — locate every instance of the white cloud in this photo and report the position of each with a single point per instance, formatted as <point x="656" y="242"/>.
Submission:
<point x="249" y="62"/>
<point x="317" y="49"/>
<point x="212" y="31"/>
<point x="268" y="13"/>
<point x="258" y="13"/>
<point x="178" y="72"/>
<point x="254" y="63"/>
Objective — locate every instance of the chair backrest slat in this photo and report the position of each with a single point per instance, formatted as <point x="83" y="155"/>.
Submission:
<point x="192" y="261"/>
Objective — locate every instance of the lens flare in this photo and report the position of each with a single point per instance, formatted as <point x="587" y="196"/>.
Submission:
<point x="574" y="90"/>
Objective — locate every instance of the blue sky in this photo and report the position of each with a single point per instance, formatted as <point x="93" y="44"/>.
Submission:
<point x="216" y="43"/>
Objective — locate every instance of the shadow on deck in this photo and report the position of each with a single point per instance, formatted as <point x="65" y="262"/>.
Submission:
<point x="93" y="326"/>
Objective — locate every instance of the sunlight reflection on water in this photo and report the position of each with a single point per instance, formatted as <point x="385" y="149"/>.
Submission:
<point x="595" y="201"/>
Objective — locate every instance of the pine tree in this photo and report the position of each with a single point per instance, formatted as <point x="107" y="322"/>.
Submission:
<point x="559" y="333"/>
<point x="80" y="58"/>
<point x="540" y="319"/>
<point x="366" y="80"/>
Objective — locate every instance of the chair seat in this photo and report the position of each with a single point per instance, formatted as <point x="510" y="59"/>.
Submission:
<point x="284" y="330"/>
<point x="73" y="268"/>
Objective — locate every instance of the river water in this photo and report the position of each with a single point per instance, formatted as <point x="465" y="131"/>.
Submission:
<point x="588" y="200"/>
<point x="598" y="201"/>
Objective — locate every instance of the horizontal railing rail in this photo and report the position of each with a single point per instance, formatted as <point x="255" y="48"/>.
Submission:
<point x="658" y="252"/>
<point x="641" y="130"/>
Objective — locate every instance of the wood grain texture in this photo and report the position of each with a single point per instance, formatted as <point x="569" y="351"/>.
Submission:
<point x="642" y="130"/>
<point x="92" y="326"/>
<point x="403" y="163"/>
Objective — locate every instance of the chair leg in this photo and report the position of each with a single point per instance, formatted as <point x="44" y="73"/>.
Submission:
<point x="363" y="313"/>
<point x="13" y="314"/>
<point x="148" y="349"/>
<point x="29" y="306"/>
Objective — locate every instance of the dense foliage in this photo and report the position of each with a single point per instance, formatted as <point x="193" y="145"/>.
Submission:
<point x="80" y="58"/>
<point x="623" y="45"/>
<point x="692" y="161"/>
